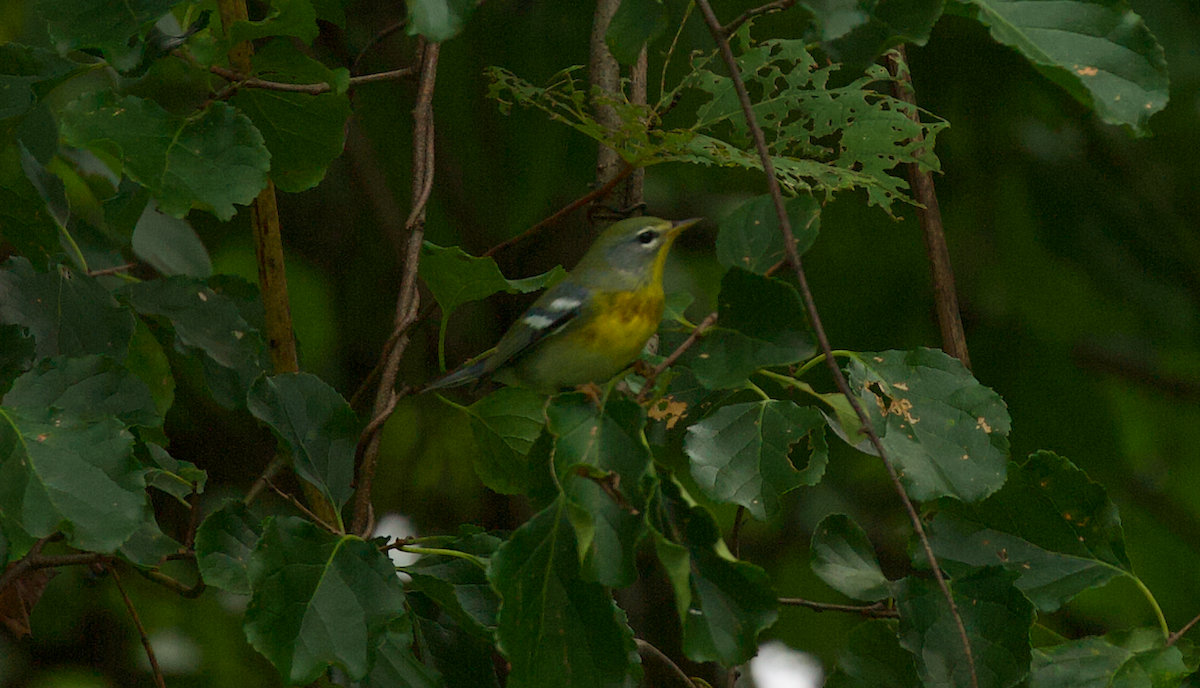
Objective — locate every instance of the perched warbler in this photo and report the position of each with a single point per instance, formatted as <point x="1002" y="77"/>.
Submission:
<point x="592" y="324"/>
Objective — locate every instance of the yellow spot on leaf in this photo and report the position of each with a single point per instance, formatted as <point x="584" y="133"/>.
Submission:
<point x="901" y="385"/>
<point x="1086" y="71"/>
<point x="982" y="424"/>
<point x="203" y="296"/>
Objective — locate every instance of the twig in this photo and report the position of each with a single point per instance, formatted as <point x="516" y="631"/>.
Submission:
<point x="645" y="649"/>
<point x="789" y="246"/>
<point x="1179" y="634"/>
<point x="190" y="592"/>
<point x="241" y="80"/>
<point x="376" y="40"/>
<point x="111" y="271"/>
<point x="408" y="301"/>
<point x="879" y="610"/>
<point x="158" y="675"/>
<point x="26" y="563"/>
<point x="303" y="509"/>
<point x="269" y="472"/>
<point x="669" y="361"/>
<point x="929" y="214"/>
<point x="777" y="6"/>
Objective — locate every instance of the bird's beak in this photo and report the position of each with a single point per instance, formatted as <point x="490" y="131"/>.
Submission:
<point x="678" y="227"/>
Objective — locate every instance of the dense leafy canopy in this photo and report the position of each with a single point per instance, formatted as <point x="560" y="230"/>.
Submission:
<point x="128" y="135"/>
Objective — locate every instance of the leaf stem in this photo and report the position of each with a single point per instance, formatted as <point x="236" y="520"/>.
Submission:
<point x="415" y="549"/>
<point x="1158" y="612"/>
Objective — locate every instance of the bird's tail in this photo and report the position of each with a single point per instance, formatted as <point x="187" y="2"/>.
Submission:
<point x="459" y="377"/>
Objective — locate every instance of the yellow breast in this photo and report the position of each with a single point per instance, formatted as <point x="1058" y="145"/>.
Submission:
<point x="622" y="323"/>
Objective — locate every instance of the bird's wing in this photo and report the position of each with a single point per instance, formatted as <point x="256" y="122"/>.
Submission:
<point x="551" y="313"/>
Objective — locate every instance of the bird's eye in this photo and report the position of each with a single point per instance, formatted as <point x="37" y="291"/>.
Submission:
<point x="647" y="237"/>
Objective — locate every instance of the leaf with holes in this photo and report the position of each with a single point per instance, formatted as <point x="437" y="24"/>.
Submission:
<point x="742" y="454"/>
<point x="946" y="433"/>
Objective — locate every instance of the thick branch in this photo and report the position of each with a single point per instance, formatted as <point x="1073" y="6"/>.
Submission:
<point x="930" y="216"/>
<point x="408" y="301"/>
<point x="604" y="73"/>
<point x="789" y="245"/>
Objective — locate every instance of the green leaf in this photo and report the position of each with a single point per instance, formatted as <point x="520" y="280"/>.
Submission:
<point x="396" y="665"/>
<point x="148" y="546"/>
<point x="25" y="221"/>
<point x="173" y="476"/>
<point x="946" y="433"/>
<point x="997" y="618"/>
<point x="505" y="424"/>
<point x="304" y="133"/>
<point x="556" y="628"/>
<point x="90" y="388"/>
<point x="319" y="600"/>
<point x="69" y="313"/>
<point x="456" y="278"/>
<point x="170" y="245"/>
<point x="319" y="425"/>
<point x="636" y="23"/>
<point x="438" y="20"/>
<point x="99" y="23"/>
<point x="286" y="18"/>
<point x="208" y="316"/>
<point x="1137" y="658"/>
<point x="224" y="543"/>
<point x="460" y="586"/>
<point x="873" y="657"/>
<point x="842" y="556"/>
<point x="211" y="160"/>
<point x="761" y="323"/>
<point x="27" y="74"/>
<point x="800" y="115"/>
<point x="750" y="238"/>
<point x="602" y="462"/>
<point x="1049" y="523"/>
<point x="462" y="658"/>
<point x="742" y="453"/>
<point x="59" y="472"/>
<point x="723" y="604"/>
<point x="855" y="34"/>
<point x="16" y="354"/>
<point x="148" y="361"/>
<point x="1100" y="51"/>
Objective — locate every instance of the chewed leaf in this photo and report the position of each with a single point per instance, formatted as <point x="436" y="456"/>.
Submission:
<point x="947" y="434"/>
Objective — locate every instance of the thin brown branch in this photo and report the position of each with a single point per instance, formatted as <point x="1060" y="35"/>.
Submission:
<point x="158" y="675"/>
<point x="879" y="610"/>
<point x="573" y="206"/>
<point x="25" y="563"/>
<point x="789" y="245"/>
<point x="241" y="80"/>
<point x="277" y="464"/>
<point x="303" y="509"/>
<point x="408" y="301"/>
<point x="646" y="650"/>
<point x="770" y="7"/>
<point x="1174" y="637"/>
<point x="698" y="332"/>
<point x="188" y="591"/>
<point x="376" y="40"/>
<point x="111" y="271"/>
<point x="929" y="214"/>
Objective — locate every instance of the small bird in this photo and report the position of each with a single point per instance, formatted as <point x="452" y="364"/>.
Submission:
<point x="592" y="324"/>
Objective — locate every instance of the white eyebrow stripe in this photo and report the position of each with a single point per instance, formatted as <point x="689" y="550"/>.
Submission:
<point x="564" y="303"/>
<point x="538" y="322"/>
